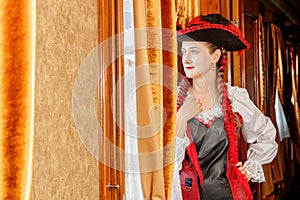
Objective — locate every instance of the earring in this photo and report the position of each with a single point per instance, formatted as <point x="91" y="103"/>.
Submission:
<point x="213" y="67"/>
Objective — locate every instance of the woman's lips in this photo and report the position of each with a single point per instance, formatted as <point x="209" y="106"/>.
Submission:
<point x="189" y="67"/>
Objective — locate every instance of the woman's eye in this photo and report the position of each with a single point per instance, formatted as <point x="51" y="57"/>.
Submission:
<point x="183" y="52"/>
<point x="195" y="51"/>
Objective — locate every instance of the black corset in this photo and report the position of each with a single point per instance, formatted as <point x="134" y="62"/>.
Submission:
<point x="212" y="145"/>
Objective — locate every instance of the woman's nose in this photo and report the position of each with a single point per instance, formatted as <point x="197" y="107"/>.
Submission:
<point x="186" y="58"/>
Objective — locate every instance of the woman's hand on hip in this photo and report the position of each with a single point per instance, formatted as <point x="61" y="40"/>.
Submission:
<point x="243" y="170"/>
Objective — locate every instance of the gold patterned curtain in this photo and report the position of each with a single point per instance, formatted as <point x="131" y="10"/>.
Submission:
<point x="187" y="10"/>
<point x="17" y="33"/>
<point x="156" y="78"/>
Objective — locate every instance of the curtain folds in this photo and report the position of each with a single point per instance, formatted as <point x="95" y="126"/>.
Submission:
<point x="261" y="64"/>
<point x="17" y="21"/>
<point x="156" y="78"/>
<point x="277" y="91"/>
<point x="169" y="90"/>
<point x="111" y="96"/>
<point x="188" y="9"/>
<point x="275" y="170"/>
<point x="294" y="101"/>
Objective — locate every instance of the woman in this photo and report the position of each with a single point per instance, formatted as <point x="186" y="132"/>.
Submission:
<point x="210" y="115"/>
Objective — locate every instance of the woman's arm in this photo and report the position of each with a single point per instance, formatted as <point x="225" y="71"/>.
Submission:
<point x="257" y="130"/>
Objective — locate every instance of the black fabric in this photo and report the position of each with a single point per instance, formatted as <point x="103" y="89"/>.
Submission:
<point x="215" y="19"/>
<point x="224" y="39"/>
<point x="212" y="144"/>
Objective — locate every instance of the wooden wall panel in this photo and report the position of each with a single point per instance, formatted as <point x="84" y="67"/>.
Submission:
<point x="251" y="7"/>
<point x="251" y="61"/>
<point x="225" y="11"/>
<point x="237" y="60"/>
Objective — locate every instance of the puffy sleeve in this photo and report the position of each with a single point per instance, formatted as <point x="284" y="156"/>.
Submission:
<point x="181" y="144"/>
<point x="257" y="130"/>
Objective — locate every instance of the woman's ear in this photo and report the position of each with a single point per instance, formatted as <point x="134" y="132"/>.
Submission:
<point x="216" y="55"/>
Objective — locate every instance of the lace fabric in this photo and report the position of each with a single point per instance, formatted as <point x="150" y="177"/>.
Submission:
<point x="255" y="171"/>
<point x="176" y="187"/>
<point x="207" y="115"/>
<point x="181" y="144"/>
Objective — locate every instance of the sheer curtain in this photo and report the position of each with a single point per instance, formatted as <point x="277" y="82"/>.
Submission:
<point x="150" y="106"/>
<point x="17" y="33"/>
<point x="132" y="176"/>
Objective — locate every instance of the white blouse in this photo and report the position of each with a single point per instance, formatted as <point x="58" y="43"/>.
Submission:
<point x="257" y="130"/>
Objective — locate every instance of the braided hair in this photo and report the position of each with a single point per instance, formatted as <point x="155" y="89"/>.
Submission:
<point x="230" y="123"/>
<point x="229" y="116"/>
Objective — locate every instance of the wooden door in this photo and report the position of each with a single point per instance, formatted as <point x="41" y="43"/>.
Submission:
<point x="251" y="57"/>
<point x="250" y="66"/>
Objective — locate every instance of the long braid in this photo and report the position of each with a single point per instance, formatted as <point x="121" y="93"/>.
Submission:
<point x="238" y="181"/>
<point x="230" y="127"/>
<point x="229" y="117"/>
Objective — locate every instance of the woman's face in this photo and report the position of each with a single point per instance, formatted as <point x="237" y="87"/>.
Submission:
<point x="196" y="59"/>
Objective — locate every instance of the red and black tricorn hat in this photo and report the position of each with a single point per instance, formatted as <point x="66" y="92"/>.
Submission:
<point x="216" y="29"/>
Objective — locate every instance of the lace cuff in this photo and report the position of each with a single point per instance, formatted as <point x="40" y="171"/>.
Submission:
<point x="255" y="171"/>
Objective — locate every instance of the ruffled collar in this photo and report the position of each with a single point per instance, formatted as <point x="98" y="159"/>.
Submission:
<point x="208" y="115"/>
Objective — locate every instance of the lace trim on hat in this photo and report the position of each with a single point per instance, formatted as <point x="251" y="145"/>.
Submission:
<point x="255" y="171"/>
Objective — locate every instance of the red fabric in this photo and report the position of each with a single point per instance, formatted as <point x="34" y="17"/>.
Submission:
<point x="189" y="172"/>
<point x="230" y="127"/>
<point x="238" y="182"/>
<point x="239" y="185"/>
